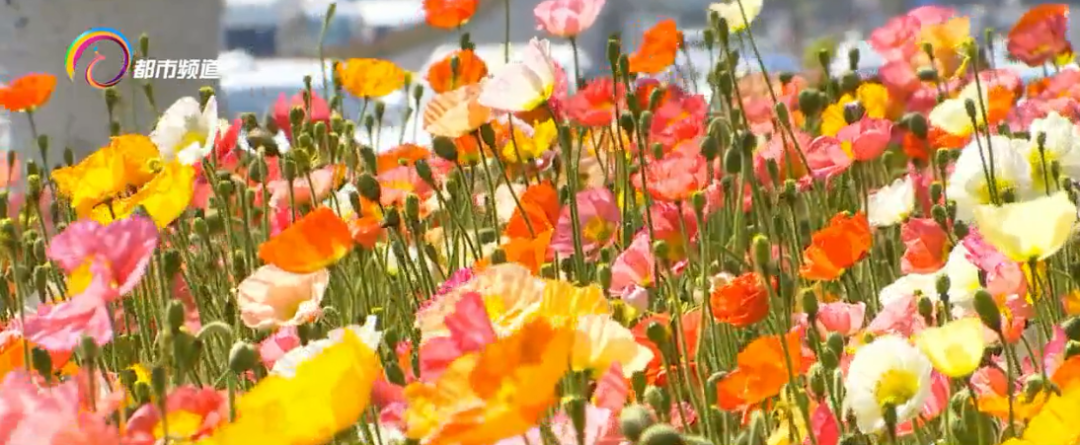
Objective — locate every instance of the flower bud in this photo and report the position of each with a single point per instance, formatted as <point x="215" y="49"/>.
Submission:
<point x="1071" y="327"/>
<point x="762" y="252"/>
<point x="633" y="421"/>
<point x="987" y="309"/>
<point x="174" y="315"/>
<point x="42" y="362"/>
<point x="242" y="357"/>
<point x="369" y="187"/>
<point x="661" y="434"/>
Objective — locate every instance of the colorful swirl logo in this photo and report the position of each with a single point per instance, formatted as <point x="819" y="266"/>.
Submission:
<point x="89" y="40"/>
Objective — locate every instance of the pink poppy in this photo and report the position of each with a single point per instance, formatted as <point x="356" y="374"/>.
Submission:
<point x="271" y="297"/>
<point x="783" y="150"/>
<point x="679" y="119"/>
<point x="900" y="317"/>
<point x="934" y="405"/>
<point x="826" y="158"/>
<point x="470" y="330"/>
<point x="319" y="187"/>
<point x="61" y="327"/>
<point x="567" y="18"/>
<point x="896" y="39"/>
<point x="1003" y="276"/>
<point x="843" y="318"/>
<point x="824" y="425"/>
<point x="201" y="410"/>
<point x="275" y="346"/>
<point x="634" y="268"/>
<point x="121" y="250"/>
<point x="866" y="139"/>
<point x="599" y="218"/>
<point x="595" y="105"/>
<point x="57" y="415"/>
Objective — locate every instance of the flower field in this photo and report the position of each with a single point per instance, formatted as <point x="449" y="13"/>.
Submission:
<point x="819" y="258"/>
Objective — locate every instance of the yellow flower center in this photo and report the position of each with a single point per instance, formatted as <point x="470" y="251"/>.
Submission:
<point x="79" y="279"/>
<point x="846" y="146"/>
<point x="1040" y="170"/>
<point x="896" y="387"/>
<point x="191" y="137"/>
<point x="155" y="165"/>
<point x="182" y="426"/>
<point x="983" y="193"/>
<point x="598" y="229"/>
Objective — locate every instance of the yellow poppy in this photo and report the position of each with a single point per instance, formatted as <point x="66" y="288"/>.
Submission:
<point x="1028" y="230"/>
<point x="371" y="78"/>
<point x="118" y="178"/>
<point x="956" y="348"/>
<point x="327" y="395"/>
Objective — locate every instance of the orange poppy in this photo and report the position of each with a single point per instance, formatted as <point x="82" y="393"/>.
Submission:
<point x="13" y="355"/>
<point x="371" y="78"/>
<point x="1040" y="35"/>
<point x="657" y="53"/>
<point x="502" y="391"/>
<point x="448" y="14"/>
<point x="690" y="322"/>
<point x="741" y="302"/>
<point x="27" y="92"/>
<point x="995" y="401"/>
<point x="366" y="231"/>
<point x="456" y="113"/>
<point x="761" y="371"/>
<point x="471" y="69"/>
<point x="406" y="154"/>
<point x="317" y="240"/>
<point x="531" y="253"/>
<point x="541" y="204"/>
<point x="837" y="247"/>
<point x="1068" y="373"/>
<point x="914" y="147"/>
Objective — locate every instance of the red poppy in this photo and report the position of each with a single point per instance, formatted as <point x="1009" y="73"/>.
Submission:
<point x="1040" y="35"/>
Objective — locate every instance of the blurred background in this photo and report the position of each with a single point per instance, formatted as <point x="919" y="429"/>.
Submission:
<point x="266" y="47"/>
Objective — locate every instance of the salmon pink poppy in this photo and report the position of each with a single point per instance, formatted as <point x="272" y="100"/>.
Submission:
<point x="596" y="104"/>
<point x="121" y="251"/>
<point x="674" y="178"/>
<point x="926" y="246"/>
<point x="632" y="272"/>
<point x="271" y="297"/>
<point x="1040" y="35"/>
<point x="275" y="346"/>
<point x="522" y="85"/>
<point x="866" y="139"/>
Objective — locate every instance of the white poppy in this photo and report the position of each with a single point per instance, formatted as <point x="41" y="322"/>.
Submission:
<point x="888" y="372"/>
<point x="185" y="132"/>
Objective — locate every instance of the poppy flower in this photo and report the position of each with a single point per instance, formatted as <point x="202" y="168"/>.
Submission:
<point x="595" y="105"/>
<point x="471" y="69"/>
<point x="371" y="78"/>
<point x="674" y="178"/>
<point x="319" y="111"/>
<point x="190" y="413"/>
<point x="733" y="11"/>
<point x="541" y="208"/>
<point x="741" y="302"/>
<point x="837" y="247"/>
<point x="926" y="246"/>
<point x="367" y="231"/>
<point x="404" y="154"/>
<point x="112" y="182"/>
<point x="529" y="252"/>
<point x="187" y="131"/>
<point x="567" y="18"/>
<point x="456" y="113"/>
<point x="466" y="404"/>
<point x="449" y="14"/>
<point x="1040" y="35"/>
<point x="272" y="298"/>
<point x="522" y="85"/>
<point x="761" y="371"/>
<point x="27" y="92"/>
<point x="657" y="52"/>
<point x="316" y="241"/>
<point x="598" y="218"/>
<point x="300" y="402"/>
<point x="690" y="325"/>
